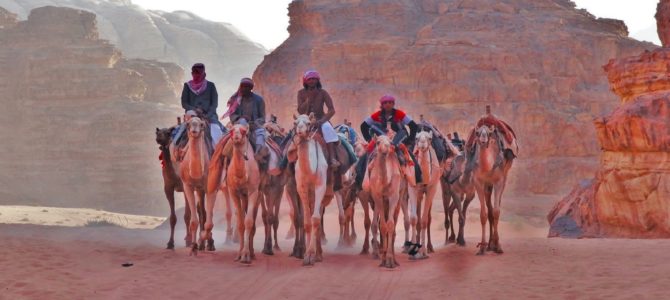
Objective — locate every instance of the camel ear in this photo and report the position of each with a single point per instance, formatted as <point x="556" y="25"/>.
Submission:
<point x="157" y="130"/>
<point x="311" y="117"/>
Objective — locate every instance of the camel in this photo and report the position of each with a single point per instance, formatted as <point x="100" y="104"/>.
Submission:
<point x="243" y="181"/>
<point x="491" y="165"/>
<point x="192" y="171"/>
<point x="383" y="181"/>
<point x="313" y="187"/>
<point x="425" y="190"/>
<point x="171" y="182"/>
<point x="360" y="148"/>
<point x="457" y="193"/>
<point x="272" y="188"/>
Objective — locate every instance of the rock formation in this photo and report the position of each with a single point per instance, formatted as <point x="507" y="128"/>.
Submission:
<point x="537" y="62"/>
<point x="179" y="37"/>
<point x="630" y="195"/>
<point x="78" y="119"/>
<point x="663" y="21"/>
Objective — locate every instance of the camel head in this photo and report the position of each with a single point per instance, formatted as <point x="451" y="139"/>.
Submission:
<point x="196" y="127"/>
<point x="239" y="133"/>
<point x="163" y="136"/>
<point x="424" y="140"/>
<point x="273" y="128"/>
<point x="361" y="147"/>
<point x="484" y="135"/>
<point x="302" y="124"/>
<point x="383" y="144"/>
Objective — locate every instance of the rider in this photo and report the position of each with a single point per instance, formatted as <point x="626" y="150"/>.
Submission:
<point x="247" y="107"/>
<point x="348" y="131"/>
<point x="199" y="94"/>
<point x="311" y="99"/>
<point x="377" y="124"/>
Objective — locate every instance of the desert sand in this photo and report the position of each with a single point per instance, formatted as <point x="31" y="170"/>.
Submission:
<point x="57" y="262"/>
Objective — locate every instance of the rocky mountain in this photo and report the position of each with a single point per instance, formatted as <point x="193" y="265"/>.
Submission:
<point x="537" y="62"/>
<point x="178" y="37"/>
<point x="78" y="117"/>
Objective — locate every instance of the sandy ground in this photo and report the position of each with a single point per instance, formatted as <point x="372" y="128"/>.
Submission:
<point x="54" y="262"/>
<point x="73" y="217"/>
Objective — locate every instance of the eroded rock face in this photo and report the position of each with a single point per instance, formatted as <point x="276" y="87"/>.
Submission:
<point x="537" y="62"/>
<point x="78" y="119"/>
<point x="663" y="21"/>
<point x="178" y="37"/>
<point x="630" y="196"/>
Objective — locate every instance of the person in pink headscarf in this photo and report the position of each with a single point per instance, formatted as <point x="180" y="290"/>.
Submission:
<point x="312" y="99"/>
<point x="199" y="94"/>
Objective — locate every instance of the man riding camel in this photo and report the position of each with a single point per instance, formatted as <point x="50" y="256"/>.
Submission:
<point x="247" y="107"/>
<point x="311" y="99"/>
<point x="377" y="123"/>
<point x="200" y="95"/>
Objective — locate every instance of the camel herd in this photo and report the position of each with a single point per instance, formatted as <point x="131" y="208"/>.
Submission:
<point x="388" y="188"/>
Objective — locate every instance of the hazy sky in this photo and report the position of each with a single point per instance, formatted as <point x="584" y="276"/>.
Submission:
<point x="265" y="21"/>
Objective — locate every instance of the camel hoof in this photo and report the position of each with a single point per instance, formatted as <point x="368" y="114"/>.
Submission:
<point x="365" y="251"/>
<point x="276" y="248"/>
<point x="375" y="256"/>
<point x="461" y="242"/>
<point x="189" y="243"/>
<point x="430" y="248"/>
<point x="201" y="247"/>
<point x="319" y="258"/>
<point x="498" y="250"/>
<point x="210" y="245"/>
<point x="267" y="251"/>
<point x="309" y="260"/>
<point x="419" y="256"/>
<point x="194" y="250"/>
<point x="170" y="245"/>
<point x="406" y="246"/>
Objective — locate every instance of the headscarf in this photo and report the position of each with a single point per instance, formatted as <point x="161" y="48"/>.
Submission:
<point x="199" y="84"/>
<point x="236" y="98"/>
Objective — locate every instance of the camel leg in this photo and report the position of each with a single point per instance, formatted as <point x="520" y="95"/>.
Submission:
<point x="249" y="222"/>
<point x="275" y="215"/>
<point x="202" y="214"/>
<point x="298" y="220"/>
<point x="319" y="194"/>
<point x="376" y="234"/>
<point x="193" y="222"/>
<point x="412" y="208"/>
<point x="291" y="230"/>
<point x="210" y="200"/>
<point x="462" y="217"/>
<point x="239" y="218"/>
<point x="169" y="194"/>
<point x="265" y="216"/>
<point x="498" y="188"/>
<point x="446" y="199"/>
<point x="187" y="222"/>
<point x="455" y="202"/>
<point x="410" y="231"/>
<point x="342" y="220"/>
<point x="481" y="194"/>
<point x="366" y="224"/>
<point x="256" y="204"/>
<point x="489" y="208"/>
<point x="350" y="215"/>
<point x="228" y="216"/>
<point x="390" y="261"/>
<point x="319" y="247"/>
<point x="427" y="212"/>
<point x="383" y="228"/>
<point x="310" y="230"/>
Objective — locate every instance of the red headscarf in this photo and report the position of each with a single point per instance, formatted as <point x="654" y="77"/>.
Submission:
<point x="311" y="74"/>
<point x="199" y="84"/>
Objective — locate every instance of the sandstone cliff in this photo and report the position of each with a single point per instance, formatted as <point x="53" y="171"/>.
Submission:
<point x="630" y="195"/>
<point x="77" y="119"/>
<point x="538" y="62"/>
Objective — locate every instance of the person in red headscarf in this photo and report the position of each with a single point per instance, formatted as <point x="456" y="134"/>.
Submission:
<point x="245" y="106"/>
<point x="376" y="124"/>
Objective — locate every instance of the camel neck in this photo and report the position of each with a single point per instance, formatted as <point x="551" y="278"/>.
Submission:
<point x="238" y="160"/>
<point x="304" y="157"/>
<point x="487" y="157"/>
<point x="425" y="161"/>
<point x="196" y="156"/>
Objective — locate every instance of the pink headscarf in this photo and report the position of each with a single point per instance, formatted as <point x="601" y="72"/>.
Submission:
<point x="386" y="98"/>
<point x="199" y="84"/>
<point x="309" y="75"/>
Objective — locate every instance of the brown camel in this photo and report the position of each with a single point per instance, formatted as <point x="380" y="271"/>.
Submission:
<point x="272" y="188"/>
<point x="383" y="181"/>
<point x="171" y="182"/>
<point x="457" y="193"/>
<point x="192" y="171"/>
<point x="371" y="221"/>
<point x="491" y="165"/>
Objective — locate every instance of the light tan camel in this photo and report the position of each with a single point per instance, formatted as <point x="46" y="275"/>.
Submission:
<point x="192" y="171"/>
<point x="425" y="190"/>
<point x="243" y="181"/>
<point x="371" y="221"/>
<point x="383" y="181"/>
<point x="491" y="165"/>
<point x="171" y="182"/>
<point x="311" y="171"/>
<point x="457" y="193"/>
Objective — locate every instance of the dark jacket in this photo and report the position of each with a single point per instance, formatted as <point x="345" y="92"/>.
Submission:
<point x="208" y="101"/>
<point x="258" y="113"/>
